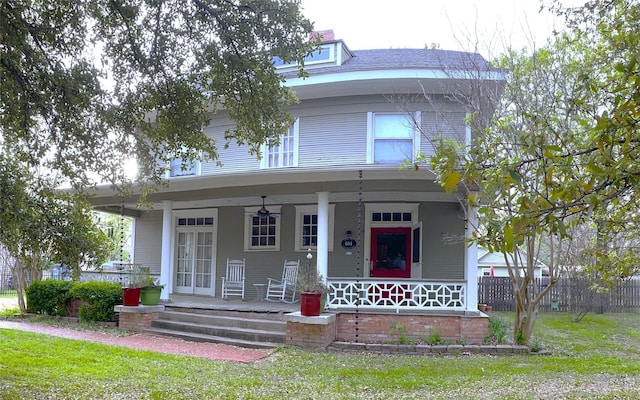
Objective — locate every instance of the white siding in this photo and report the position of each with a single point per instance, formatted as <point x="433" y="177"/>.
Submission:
<point x="333" y="140"/>
<point x="235" y="158"/>
<point x="449" y="125"/>
<point x="333" y="131"/>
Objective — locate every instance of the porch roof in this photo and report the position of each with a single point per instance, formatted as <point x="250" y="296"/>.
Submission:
<point x="290" y="185"/>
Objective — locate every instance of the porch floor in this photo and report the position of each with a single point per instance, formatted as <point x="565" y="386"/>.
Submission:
<point x="233" y="304"/>
<point x="236" y="304"/>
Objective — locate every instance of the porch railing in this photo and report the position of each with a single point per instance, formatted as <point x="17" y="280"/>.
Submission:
<point x="376" y="293"/>
<point x="116" y="276"/>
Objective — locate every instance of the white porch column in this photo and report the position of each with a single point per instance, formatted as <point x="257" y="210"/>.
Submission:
<point x="471" y="262"/>
<point x="322" y="257"/>
<point x="165" y="257"/>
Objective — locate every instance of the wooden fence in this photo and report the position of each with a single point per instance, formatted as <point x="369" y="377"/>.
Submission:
<point x="566" y="295"/>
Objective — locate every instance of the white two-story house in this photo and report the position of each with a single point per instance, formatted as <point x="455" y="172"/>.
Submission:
<point x="380" y="233"/>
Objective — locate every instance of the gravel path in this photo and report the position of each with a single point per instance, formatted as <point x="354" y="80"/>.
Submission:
<point x="144" y="341"/>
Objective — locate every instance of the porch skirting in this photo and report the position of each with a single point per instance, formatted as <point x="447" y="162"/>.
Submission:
<point x="385" y="328"/>
<point x="321" y="332"/>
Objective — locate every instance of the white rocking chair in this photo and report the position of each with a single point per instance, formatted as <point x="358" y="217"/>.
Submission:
<point x="233" y="282"/>
<point x="284" y="290"/>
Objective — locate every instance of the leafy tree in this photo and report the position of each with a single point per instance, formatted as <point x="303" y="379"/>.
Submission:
<point x="562" y="151"/>
<point x="87" y="84"/>
<point x="40" y="224"/>
<point x="165" y="67"/>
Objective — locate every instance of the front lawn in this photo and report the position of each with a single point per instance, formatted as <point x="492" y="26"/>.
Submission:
<point x="598" y="357"/>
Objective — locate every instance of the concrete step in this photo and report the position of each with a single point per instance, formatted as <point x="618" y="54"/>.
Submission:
<point x="246" y="329"/>
<point x="236" y="321"/>
<point x="197" y="337"/>
<point x="277" y="315"/>
<point x="257" y="335"/>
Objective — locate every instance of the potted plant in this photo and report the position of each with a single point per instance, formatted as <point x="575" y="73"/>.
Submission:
<point x="136" y="278"/>
<point x="150" y="292"/>
<point x="312" y="288"/>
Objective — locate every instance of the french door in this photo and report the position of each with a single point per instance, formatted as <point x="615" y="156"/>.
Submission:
<point x="391" y="255"/>
<point x="194" y="262"/>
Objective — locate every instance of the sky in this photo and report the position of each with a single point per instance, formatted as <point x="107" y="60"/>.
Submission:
<point x="450" y="24"/>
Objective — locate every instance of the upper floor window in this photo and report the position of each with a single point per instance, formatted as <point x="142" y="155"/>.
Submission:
<point x="306" y="232"/>
<point x="262" y="232"/>
<point x="284" y="154"/>
<point x="178" y="167"/>
<point x="392" y="138"/>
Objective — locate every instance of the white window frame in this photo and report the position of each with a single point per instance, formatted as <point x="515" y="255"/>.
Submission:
<point x="251" y="212"/>
<point x="301" y="211"/>
<point x="197" y="168"/>
<point x="176" y="215"/>
<point x="294" y="132"/>
<point x="371" y="133"/>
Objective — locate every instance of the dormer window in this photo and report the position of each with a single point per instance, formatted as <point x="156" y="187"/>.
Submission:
<point x="325" y="55"/>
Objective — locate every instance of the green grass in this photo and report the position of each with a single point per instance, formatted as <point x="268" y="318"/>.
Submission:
<point x="602" y="350"/>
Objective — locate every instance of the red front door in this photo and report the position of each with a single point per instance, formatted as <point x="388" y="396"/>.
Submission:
<point x="391" y="252"/>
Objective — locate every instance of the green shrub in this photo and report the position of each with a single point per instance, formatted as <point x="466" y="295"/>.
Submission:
<point x="434" y="338"/>
<point x="497" y="331"/>
<point x="9" y="312"/>
<point x="537" y="346"/>
<point x="100" y="299"/>
<point x="400" y="331"/>
<point x="49" y="297"/>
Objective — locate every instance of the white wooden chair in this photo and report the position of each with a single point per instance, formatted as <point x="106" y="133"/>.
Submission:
<point x="284" y="290"/>
<point x="233" y="282"/>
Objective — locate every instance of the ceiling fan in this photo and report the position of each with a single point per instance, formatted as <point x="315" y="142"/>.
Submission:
<point x="263" y="212"/>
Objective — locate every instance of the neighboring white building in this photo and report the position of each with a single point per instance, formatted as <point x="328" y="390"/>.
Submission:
<point x="493" y="264"/>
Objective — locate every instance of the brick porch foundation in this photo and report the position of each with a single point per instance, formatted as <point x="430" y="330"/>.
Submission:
<point x="137" y="318"/>
<point x="310" y="332"/>
<point x="379" y="328"/>
<point x="321" y="332"/>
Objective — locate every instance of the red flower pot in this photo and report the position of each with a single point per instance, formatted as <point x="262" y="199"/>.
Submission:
<point x="310" y="304"/>
<point x="130" y="296"/>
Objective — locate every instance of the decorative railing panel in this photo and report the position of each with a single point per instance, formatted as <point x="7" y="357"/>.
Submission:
<point x="396" y="294"/>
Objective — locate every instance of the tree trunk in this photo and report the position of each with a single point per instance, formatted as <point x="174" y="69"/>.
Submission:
<point x="19" y="283"/>
<point x="526" y="314"/>
<point x="527" y="293"/>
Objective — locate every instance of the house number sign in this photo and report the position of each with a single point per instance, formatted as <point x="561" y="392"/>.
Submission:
<point x="348" y="243"/>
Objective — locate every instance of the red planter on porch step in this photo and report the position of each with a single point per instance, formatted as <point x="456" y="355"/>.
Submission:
<point x="310" y="304"/>
<point x="130" y="296"/>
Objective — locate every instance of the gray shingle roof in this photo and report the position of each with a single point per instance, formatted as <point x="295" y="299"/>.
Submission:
<point x="367" y="60"/>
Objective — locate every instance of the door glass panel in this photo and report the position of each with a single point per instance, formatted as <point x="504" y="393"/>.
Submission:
<point x="390" y="252"/>
<point x="194" y="269"/>
<point x="184" y="260"/>
<point x="203" y="264"/>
